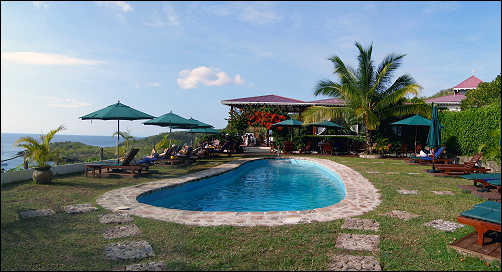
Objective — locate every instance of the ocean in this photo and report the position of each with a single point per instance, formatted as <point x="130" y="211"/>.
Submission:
<point x="9" y="150"/>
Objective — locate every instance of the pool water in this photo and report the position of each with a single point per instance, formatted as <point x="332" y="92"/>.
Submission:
<point x="261" y="185"/>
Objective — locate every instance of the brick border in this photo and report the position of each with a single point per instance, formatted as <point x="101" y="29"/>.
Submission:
<point x="361" y="197"/>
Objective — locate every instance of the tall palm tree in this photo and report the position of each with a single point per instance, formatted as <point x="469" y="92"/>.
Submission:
<point x="369" y="93"/>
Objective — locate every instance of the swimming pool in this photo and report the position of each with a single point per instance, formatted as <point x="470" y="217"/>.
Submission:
<point x="260" y="185"/>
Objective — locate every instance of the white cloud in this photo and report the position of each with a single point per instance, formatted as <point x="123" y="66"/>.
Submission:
<point x="153" y="84"/>
<point x="123" y="5"/>
<point x="259" y="17"/>
<point x="45" y="59"/>
<point x="238" y="79"/>
<point x="39" y="4"/>
<point x="189" y="79"/>
<point x="66" y="103"/>
<point x="167" y="18"/>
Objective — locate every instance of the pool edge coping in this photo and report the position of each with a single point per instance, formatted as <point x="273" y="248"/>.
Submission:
<point x="360" y="197"/>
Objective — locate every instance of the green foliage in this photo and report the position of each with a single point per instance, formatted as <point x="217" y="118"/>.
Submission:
<point x="126" y="135"/>
<point x="486" y="93"/>
<point x="39" y="152"/>
<point x="237" y="122"/>
<point x="441" y="93"/>
<point x="466" y="131"/>
<point x="368" y="91"/>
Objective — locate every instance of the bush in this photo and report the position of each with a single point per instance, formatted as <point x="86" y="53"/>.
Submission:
<point x="466" y="131"/>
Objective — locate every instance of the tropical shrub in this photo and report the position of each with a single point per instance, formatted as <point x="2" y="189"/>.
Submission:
<point x="38" y="151"/>
<point x="486" y="93"/>
<point x="468" y="130"/>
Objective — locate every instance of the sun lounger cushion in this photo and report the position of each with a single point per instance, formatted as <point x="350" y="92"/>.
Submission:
<point x="491" y="205"/>
<point x="486" y="177"/>
<point x="483" y="213"/>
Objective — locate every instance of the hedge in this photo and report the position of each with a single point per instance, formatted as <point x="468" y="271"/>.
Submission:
<point x="465" y="131"/>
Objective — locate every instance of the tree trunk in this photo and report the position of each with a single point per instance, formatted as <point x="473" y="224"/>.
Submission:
<point x="368" y="142"/>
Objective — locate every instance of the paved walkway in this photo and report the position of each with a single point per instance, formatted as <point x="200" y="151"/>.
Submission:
<point x="361" y="197"/>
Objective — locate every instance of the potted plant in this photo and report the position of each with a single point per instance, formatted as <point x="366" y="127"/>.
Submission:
<point x="40" y="153"/>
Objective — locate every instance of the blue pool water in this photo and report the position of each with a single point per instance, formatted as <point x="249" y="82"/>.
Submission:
<point x="261" y="185"/>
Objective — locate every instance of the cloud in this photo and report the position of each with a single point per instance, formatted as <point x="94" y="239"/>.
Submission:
<point x="189" y="79"/>
<point x="259" y="17"/>
<point x="167" y="18"/>
<point x="153" y="84"/>
<point x="45" y="59"/>
<point x="238" y="79"/>
<point x="123" y="5"/>
<point x="247" y="14"/>
<point x="66" y="103"/>
<point x="39" y="4"/>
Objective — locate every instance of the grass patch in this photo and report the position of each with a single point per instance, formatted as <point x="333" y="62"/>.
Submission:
<point x="75" y="242"/>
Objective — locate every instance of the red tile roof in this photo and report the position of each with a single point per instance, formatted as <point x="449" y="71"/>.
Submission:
<point x="329" y="101"/>
<point x="470" y="83"/>
<point x="265" y="99"/>
<point x="447" y="99"/>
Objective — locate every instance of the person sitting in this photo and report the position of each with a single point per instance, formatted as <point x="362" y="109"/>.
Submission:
<point x="154" y="154"/>
<point x="424" y="152"/>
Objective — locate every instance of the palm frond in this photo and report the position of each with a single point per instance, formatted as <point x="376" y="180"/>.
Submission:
<point x="385" y="71"/>
<point x="29" y="140"/>
<point x="327" y="87"/>
<point x="397" y="95"/>
<point x="365" y="69"/>
<point x="407" y="109"/>
<point x="50" y="135"/>
<point x="320" y="113"/>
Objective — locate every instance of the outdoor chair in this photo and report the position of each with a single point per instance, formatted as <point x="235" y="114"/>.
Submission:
<point x="326" y="148"/>
<point x="487" y="181"/>
<point x="123" y="168"/>
<point x="403" y="150"/>
<point x="465" y="168"/>
<point x="483" y="217"/>
<point x="288" y="147"/>
<point x="437" y="158"/>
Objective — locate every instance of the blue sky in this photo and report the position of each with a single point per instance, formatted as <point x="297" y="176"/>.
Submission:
<point x="62" y="60"/>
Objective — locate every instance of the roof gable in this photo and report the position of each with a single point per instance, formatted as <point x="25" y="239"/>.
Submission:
<point x="470" y="83"/>
<point x="265" y="99"/>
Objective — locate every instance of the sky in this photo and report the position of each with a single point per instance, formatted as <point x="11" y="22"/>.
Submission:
<point x="62" y="60"/>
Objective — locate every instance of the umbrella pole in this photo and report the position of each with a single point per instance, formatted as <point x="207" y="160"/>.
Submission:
<point x="416" y="139"/>
<point x="118" y="140"/>
<point x="170" y="129"/>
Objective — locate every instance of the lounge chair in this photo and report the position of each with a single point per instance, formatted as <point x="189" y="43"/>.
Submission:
<point x="486" y="180"/>
<point x="437" y="159"/>
<point x="465" y="168"/>
<point x="326" y="148"/>
<point x="181" y="158"/>
<point x="483" y="217"/>
<point x="123" y="167"/>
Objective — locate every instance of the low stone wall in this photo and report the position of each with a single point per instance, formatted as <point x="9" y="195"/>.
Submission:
<point x="495" y="168"/>
<point x="22" y="175"/>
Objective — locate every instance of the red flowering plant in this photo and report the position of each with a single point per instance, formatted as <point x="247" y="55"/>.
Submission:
<point x="264" y="117"/>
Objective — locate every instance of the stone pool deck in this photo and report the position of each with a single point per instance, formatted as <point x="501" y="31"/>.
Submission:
<point x="361" y="197"/>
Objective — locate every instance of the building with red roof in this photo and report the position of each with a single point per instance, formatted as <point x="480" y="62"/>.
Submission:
<point x="453" y="101"/>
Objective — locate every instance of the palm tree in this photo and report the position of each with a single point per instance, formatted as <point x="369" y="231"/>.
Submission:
<point x="38" y="151"/>
<point x="367" y="92"/>
<point x="126" y="135"/>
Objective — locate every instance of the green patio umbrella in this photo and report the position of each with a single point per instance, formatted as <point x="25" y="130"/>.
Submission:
<point x="117" y="112"/>
<point x="198" y="123"/>
<point x="289" y="123"/>
<point x="204" y="130"/>
<point x="415" y="120"/>
<point x="434" y="138"/>
<point x="172" y="120"/>
<point x="325" y="124"/>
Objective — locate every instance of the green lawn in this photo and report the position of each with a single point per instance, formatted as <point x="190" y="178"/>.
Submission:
<point x="75" y="242"/>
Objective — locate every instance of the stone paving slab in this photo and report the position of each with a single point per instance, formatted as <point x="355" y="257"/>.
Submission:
<point x="121" y="231"/>
<point x="373" y="172"/>
<point x="408" y="192"/>
<point x="379" y="162"/>
<point x="359" y="223"/>
<point x="128" y="250"/>
<point x="117" y="218"/>
<point x="414" y="173"/>
<point x="79" y="208"/>
<point x="391" y="173"/>
<point x="361" y="197"/>
<point x="36" y="213"/>
<point x="443" y="192"/>
<point x="151" y="266"/>
<point x="402" y="215"/>
<point x="444" y="225"/>
<point x="357" y="242"/>
<point x="354" y="263"/>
